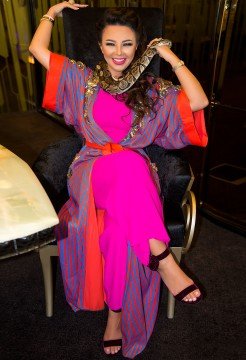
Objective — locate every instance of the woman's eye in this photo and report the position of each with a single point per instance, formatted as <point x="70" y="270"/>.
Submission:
<point x="125" y="44"/>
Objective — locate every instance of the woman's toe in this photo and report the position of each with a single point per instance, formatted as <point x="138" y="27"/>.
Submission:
<point x="196" y="294"/>
<point x="112" y="350"/>
<point x="115" y="350"/>
<point x="190" y="297"/>
<point x="193" y="295"/>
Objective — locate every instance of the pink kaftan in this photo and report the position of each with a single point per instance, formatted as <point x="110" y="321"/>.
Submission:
<point x="124" y="188"/>
<point x="174" y="127"/>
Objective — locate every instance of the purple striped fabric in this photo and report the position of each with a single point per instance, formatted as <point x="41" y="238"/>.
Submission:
<point x="141" y="295"/>
<point x="140" y="306"/>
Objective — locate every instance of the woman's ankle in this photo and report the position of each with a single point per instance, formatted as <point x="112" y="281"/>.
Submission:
<point x="113" y="328"/>
<point x="114" y="317"/>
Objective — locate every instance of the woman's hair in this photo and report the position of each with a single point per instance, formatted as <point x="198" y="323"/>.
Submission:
<point x="137" y="95"/>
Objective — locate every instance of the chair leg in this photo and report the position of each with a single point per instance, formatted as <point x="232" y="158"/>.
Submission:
<point x="177" y="252"/>
<point x="45" y="254"/>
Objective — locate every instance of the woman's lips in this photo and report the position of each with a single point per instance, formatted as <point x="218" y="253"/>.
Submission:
<point x="119" y="61"/>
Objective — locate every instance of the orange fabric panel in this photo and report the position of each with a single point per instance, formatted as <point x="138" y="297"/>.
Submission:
<point x="52" y="81"/>
<point x="93" y="288"/>
<point x="193" y="122"/>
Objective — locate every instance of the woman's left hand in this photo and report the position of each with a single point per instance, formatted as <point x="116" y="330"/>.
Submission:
<point x="164" y="51"/>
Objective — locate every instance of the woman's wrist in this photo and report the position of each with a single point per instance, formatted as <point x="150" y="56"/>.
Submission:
<point x="48" y="18"/>
<point x="168" y="55"/>
<point x="51" y="13"/>
<point x="173" y="59"/>
<point x="179" y="64"/>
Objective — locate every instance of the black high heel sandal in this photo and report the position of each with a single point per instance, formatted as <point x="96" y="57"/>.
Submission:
<point x="154" y="264"/>
<point x="116" y="342"/>
<point x="108" y="343"/>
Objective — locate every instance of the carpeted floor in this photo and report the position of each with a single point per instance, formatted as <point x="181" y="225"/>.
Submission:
<point x="214" y="329"/>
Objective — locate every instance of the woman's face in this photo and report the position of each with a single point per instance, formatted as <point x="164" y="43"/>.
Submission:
<point x="118" y="46"/>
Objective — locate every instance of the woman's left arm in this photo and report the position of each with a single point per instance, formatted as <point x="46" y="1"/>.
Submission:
<point x="189" y="83"/>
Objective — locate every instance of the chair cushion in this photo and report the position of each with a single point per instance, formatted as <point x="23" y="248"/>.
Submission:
<point x="52" y="165"/>
<point x="173" y="171"/>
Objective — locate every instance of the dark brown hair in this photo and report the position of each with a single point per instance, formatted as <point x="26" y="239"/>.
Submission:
<point x="137" y="96"/>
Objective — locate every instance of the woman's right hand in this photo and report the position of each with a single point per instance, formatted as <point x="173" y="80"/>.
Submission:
<point x="39" y="46"/>
<point x="57" y="9"/>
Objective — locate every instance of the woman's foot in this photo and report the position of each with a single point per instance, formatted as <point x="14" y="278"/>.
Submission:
<point x="172" y="275"/>
<point x="113" y="331"/>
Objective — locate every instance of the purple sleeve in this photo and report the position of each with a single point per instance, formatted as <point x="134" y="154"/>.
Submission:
<point x="65" y="88"/>
<point x="178" y="126"/>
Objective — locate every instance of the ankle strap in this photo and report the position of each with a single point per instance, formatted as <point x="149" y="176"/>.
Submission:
<point x="154" y="259"/>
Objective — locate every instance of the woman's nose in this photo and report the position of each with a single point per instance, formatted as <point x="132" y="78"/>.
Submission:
<point x="118" y="50"/>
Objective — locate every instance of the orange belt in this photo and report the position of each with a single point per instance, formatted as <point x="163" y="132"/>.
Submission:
<point x="107" y="148"/>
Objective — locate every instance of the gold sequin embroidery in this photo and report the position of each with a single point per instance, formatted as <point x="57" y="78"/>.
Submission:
<point x="80" y="64"/>
<point x="165" y="85"/>
<point x="154" y="167"/>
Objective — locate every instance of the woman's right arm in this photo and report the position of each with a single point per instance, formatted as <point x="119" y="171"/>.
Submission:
<point x="39" y="46"/>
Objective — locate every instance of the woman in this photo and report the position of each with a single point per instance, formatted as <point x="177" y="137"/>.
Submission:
<point x="111" y="235"/>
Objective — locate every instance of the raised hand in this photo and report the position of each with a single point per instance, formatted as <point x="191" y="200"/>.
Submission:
<point x="39" y="46"/>
<point x="162" y="47"/>
<point x="57" y="9"/>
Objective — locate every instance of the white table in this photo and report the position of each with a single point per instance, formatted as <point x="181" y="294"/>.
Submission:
<point x="26" y="213"/>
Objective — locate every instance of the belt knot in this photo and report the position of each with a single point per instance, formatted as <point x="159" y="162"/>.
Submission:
<point x="108" y="148"/>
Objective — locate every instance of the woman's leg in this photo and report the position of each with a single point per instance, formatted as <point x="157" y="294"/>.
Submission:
<point x="113" y="331"/>
<point x="124" y="188"/>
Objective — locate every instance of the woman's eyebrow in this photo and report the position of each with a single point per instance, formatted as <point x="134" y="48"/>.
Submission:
<point x="122" y="41"/>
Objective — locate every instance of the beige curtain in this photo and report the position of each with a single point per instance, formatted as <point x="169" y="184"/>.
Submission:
<point x="153" y="3"/>
<point x="22" y="28"/>
<point x="3" y="43"/>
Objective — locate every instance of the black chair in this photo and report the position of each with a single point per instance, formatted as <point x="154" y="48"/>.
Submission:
<point x="176" y="177"/>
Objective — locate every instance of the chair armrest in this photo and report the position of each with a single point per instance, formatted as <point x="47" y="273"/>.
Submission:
<point x="176" y="179"/>
<point x="189" y="212"/>
<point x="52" y="165"/>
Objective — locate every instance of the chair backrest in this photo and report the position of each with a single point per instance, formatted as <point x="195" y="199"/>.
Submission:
<point x="81" y="40"/>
